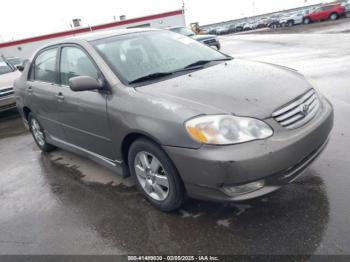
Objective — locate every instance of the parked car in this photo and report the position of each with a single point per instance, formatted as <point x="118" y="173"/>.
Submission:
<point x="240" y="27"/>
<point x="273" y="24"/>
<point x="8" y="74"/>
<point x="326" y="12"/>
<point x="292" y="19"/>
<point x="261" y="23"/>
<point x="273" y="21"/>
<point x="248" y="26"/>
<point x="212" y="31"/>
<point x="346" y="5"/>
<point x="231" y="28"/>
<point x="205" y="31"/>
<point x="210" y="40"/>
<point x="182" y="118"/>
<point x="222" y="30"/>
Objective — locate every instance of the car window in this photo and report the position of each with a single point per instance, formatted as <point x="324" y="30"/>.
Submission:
<point x="75" y="62"/>
<point x="328" y="7"/>
<point x="45" y="66"/>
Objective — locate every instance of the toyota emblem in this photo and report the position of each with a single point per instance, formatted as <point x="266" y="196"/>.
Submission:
<point x="304" y="109"/>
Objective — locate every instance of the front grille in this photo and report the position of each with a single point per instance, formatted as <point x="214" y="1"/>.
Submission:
<point x="6" y="92"/>
<point x="298" y="112"/>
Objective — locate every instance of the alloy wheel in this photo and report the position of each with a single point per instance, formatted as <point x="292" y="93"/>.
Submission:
<point x="37" y="132"/>
<point x="151" y="176"/>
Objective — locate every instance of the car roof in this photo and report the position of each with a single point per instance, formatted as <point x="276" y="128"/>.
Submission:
<point x="103" y="34"/>
<point x="87" y="37"/>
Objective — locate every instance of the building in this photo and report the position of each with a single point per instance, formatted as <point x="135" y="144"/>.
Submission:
<point x="24" y="48"/>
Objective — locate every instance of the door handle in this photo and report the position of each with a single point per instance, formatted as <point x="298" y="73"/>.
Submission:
<point x="60" y="97"/>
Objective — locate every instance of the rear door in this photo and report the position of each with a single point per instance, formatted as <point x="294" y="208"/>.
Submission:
<point x="84" y="114"/>
<point x="317" y="14"/>
<point x="41" y="89"/>
<point x="324" y="14"/>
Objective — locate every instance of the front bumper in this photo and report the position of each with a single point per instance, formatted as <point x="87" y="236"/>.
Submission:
<point x="278" y="160"/>
<point x="7" y="102"/>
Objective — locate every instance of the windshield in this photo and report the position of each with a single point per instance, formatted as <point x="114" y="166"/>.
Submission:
<point x="183" y="31"/>
<point x="4" y="68"/>
<point x="136" y="55"/>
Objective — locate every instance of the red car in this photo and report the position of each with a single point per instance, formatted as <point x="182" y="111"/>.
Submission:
<point x="325" y="12"/>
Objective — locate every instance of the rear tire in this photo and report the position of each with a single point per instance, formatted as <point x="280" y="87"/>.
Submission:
<point x="307" y="21"/>
<point x="155" y="175"/>
<point x="290" y="23"/>
<point x="38" y="134"/>
<point x="334" y="16"/>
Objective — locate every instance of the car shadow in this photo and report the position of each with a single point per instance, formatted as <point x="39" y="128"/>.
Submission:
<point x="11" y="124"/>
<point x="290" y="221"/>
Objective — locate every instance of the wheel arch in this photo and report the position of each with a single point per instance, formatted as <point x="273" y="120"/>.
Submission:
<point x="334" y="13"/>
<point x="131" y="138"/>
<point x="26" y="111"/>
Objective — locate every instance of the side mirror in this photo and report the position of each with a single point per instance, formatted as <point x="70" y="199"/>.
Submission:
<point x="20" y="68"/>
<point x="84" y="83"/>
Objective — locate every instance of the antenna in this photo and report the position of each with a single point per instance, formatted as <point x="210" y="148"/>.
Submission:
<point x="253" y="5"/>
<point x="183" y="6"/>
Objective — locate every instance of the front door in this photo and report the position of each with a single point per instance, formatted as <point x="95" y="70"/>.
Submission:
<point x="83" y="114"/>
<point x="41" y="88"/>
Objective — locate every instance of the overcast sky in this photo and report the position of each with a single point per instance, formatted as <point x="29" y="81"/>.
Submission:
<point x="26" y="18"/>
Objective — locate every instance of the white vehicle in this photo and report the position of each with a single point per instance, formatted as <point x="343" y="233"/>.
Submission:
<point x="250" y="26"/>
<point x="347" y="6"/>
<point x="8" y="74"/>
<point x="292" y="19"/>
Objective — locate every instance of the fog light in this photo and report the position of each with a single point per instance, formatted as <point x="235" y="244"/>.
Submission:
<point x="244" y="189"/>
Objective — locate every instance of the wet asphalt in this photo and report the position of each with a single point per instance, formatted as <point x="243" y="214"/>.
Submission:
<point x="64" y="204"/>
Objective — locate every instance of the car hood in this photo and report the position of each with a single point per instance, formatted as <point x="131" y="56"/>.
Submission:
<point x="6" y="80"/>
<point x="203" y="37"/>
<point x="240" y="87"/>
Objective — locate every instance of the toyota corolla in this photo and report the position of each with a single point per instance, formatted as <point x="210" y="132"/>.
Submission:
<point x="181" y="118"/>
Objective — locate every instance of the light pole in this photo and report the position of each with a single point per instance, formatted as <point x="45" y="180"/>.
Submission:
<point x="253" y="5"/>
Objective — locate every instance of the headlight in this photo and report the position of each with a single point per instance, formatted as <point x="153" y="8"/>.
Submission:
<point x="227" y="129"/>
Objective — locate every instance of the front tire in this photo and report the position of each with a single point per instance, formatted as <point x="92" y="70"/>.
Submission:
<point x="155" y="175"/>
<point x="333" y="16"/>
<point x="38" y="134"/>
<point x="290" y="23"/>
<point x="307" y="21"/>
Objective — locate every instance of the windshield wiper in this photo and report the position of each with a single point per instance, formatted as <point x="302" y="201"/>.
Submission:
<point x="150" y="77"/>
<point x="203" y="62"/>
<point x="188" y="67"/>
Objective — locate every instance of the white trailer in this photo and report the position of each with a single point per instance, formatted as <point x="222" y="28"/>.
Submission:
<point x="24" y="48"/>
